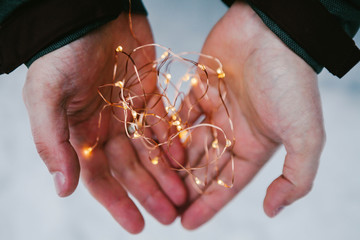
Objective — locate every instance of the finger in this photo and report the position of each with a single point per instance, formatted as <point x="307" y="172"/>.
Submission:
<point x="50" y="131"/>
<point x="136" y="179"/>
<point x="216" y="196"/>
<point x="162" y="129"/>
<point x="190" y="109"/>
<point x="107" y="190"/>
<point x="199" y="141"/>
<point x="298" y="175"/>
<point x="161" y="171"/>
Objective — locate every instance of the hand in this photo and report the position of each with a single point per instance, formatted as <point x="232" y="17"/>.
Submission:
<point x="273" y="99"/>
<point x="63" y="105"/>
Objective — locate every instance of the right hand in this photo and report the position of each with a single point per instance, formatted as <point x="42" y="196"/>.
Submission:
<point x="63" y="105"/>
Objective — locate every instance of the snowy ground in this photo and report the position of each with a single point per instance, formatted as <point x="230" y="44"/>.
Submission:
<point x="30" y="209"/>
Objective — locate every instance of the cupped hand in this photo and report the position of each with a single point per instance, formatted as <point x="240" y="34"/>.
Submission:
<point x="63" y="105"/>
<point x="273" y="99"/>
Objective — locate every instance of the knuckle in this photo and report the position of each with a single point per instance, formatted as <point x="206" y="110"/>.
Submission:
<point x="43" y="151"/>
<point x="304" y="188"/>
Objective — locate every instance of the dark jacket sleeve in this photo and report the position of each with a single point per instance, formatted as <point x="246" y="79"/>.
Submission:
<point x="31" y="28"/>
<point x="319" y="31"/>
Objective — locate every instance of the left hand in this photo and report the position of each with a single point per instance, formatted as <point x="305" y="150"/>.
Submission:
<point x="273" y="99"/>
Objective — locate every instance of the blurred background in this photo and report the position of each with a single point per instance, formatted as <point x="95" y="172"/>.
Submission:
<point x="30" y="208"/>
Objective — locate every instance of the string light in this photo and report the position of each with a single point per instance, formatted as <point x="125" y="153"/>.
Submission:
<point x="119" y="84"/>
<point x="119" y="49"/>
<point x="220" y="73"/>
<point x="194" y="81"/>
<point x="155" y="160"/>
<point x="228" y="143"/>
<point x="136" y="135"/>
<point x="215" y="144"/>
<point x="197" y="181"/>
<point x="87" y="151"/>
<point x="173" y="95"/>
<point x="220" y="182"/>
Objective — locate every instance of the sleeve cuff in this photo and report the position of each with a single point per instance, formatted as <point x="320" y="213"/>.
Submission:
<point x="54" y="23"/>
<point x="288" y="40"/>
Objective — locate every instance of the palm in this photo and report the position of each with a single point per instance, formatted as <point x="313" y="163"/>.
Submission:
<point x="273" y="99"/>
<point x="64" y="106"/>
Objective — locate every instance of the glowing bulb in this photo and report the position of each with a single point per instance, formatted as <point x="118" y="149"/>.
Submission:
<point x="194" y="81"/>
<point x="220" y="182"/>
<point x="136" y="135"/>
<point x="170" y="109"/>
<point x="164" y="55"/>
<point x="173" y="117"/>
<point x="87" y="151"/>
<point x="183" y="136"/>
<point x="186" y="77"/>
<point x="202" y="67"/>
<point x="179" y="128"/>
<point x="176" y="123"/>
<point x="168" y="76"/>
<point x="119" y="84"/>
<point x="155" y="161"/>
<point x="220" y="73"/>
<point x="119" y="49"/>
<point x="215" y="144"/>
<point x="134" y="113"/>
<point x="197" y="181"/>
<point x="228" y="143"/>
<point x="125" y="106"/>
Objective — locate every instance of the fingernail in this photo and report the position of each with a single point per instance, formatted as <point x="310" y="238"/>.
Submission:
<point x="59" y="180"/>
<point x="277" y="211"/>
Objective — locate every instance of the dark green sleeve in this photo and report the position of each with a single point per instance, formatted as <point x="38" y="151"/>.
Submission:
<point x="137" y="7"/>
<point x="30" y="29"/>
<point x="7" y="7"/>
<point x="347" y="14"/>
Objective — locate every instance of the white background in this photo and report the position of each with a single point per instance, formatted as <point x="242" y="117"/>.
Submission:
<point x="30" y="209"/>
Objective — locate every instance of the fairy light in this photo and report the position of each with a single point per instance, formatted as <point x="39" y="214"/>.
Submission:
<point x="136" y="120"/>
<point x="197" y="181"/>
<point x="186" y="77"/>
<point x="134" y="113"/>
<point x="164" y="55"/>
<point x="170" y="109"/>
<point x="220" y="73"/>
<point x="119" y="49"/>
<point x="183" y="135"/>
<point x="136" y="135"/>
<point x="228" y="143"/>
<point x="125" y="105"/>
<point x="215" y="144"/>
<point x="176" y="123"/>
<point x="119" y="84"/>
<point x="202" y="67"/>
<point x="167" y="78"/>
<point x="194" y="81"/>
<point x="87" y="151"/>
<point x="220" y="182"/>
<point x="155" y="160"/>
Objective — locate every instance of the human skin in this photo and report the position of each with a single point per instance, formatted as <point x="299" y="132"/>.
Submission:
<point x="273" y="99"/>
<point x="61" y="97"/>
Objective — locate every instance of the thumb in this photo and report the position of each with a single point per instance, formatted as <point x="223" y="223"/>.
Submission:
<point x="50" y="131"/>
<point x="298" y="175"/>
